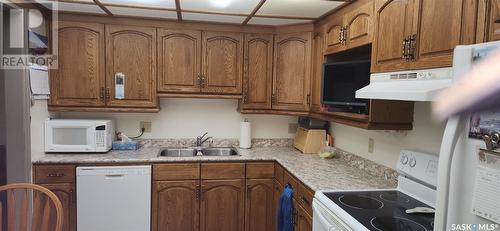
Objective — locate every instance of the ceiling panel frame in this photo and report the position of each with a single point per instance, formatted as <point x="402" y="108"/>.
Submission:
<point x="178" y="9"/>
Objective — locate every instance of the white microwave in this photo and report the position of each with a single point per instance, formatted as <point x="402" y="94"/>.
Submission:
<point x="78" y="135"/>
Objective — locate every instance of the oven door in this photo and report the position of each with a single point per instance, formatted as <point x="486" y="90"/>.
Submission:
<point x="325" y="220"/>
<point x="70" y="136"/>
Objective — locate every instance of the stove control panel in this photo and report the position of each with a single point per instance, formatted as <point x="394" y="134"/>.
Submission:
<point x="418" y="165"/>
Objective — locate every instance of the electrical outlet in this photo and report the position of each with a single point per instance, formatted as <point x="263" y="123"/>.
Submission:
<point x="292" y="128"/>
<point x="371" y="143"/>
<point x="146" y="125"/>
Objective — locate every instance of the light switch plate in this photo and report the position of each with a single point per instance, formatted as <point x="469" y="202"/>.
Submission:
<point x="146" y="125"/>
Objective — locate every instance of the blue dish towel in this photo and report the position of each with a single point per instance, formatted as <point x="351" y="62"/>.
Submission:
<point x="285" y="210"/>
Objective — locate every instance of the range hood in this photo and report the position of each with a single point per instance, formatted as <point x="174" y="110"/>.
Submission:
<point x="416" y="85"/>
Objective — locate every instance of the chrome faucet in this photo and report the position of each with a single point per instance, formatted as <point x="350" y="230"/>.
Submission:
<point x="201" y="139"/>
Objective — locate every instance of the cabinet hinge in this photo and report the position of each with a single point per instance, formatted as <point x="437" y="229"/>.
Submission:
<point x="412" y="44"/>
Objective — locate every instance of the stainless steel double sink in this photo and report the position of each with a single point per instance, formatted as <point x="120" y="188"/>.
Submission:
<point x="198" y="151"/>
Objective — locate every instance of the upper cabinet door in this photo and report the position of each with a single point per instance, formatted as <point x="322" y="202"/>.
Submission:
<point x="334" y="35"/>
<point x="394" y="22"/>
<point x="292" y="71"/>
<point x="317" y="76"/>
<point x="131" y="51"/>
<point x="257" y="71"/>
<point x="222" y="59"/>
<point x="80" y="78"/>
<point x="494" y="21"/>
<point x="179" y="58"/>
<point x="438" y="33"/>
<point x="359" y="25"/>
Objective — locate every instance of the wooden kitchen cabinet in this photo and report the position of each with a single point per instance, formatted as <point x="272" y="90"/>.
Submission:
<point x="259" y="212"/>
<point x="60" y="179"/>
<point x="222" y="205"/>
<point x="303" y="220"/>
<point x="222" y="58"/>
<point x="394" y="21"/>
<point x="65" y="192"/>
<point x="179" y="61"/>
<point x="292" y="71"/>
<point x="131" y="50"/>
<point x="176" y="205"/>
<point x="317" y="75"/>
<point x="439" y="32"/>
<point x="418" y="34"/>
<point x="493" y="20"/>
<point x="80" y="77"/>
<point x="334" y="41"/>
<point x="359" y="25"/>
<point x="350" y="27"/>
<point x="257" y="71"/>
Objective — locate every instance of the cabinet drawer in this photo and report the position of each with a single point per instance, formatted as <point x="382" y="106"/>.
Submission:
<point x="305" y="197"/>
<point x="223" y="170"/>
<point x="289" y="179"/>
<point x="184" y="171"/>
<point x="54" y="174"/>
<point x="278" y="173"/>
<point x="260" y="170"/>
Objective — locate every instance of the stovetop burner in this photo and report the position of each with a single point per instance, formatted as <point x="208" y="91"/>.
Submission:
<point x="360" y="202"/>
<point x="383" y="210"/>
<point x="386" y="223"/>
<point x="394" y="197"/>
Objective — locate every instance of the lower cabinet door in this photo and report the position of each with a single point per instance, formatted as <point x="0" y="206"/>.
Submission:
<point x="66" y="194"/>
<point x="222" y="205"/>
<point x="259" y="206"/>
<point x="303" y="221"/>
<point x="175" y="205"/>
<point x="278" y="190"/>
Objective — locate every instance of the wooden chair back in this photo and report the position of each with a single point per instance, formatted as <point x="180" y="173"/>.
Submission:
<point x="20" y="212"/>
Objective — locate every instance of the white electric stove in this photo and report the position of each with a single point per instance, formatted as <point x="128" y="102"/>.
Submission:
<point x="383" y="209"/>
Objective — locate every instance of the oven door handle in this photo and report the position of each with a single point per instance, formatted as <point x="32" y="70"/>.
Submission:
<point x="322" y="219"/>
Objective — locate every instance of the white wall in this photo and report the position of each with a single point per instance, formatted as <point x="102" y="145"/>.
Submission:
<point x="425" y="136"/>
<point x="178" y="118"/>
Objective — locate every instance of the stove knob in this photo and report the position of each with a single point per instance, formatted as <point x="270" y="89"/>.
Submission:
<point x="404" y="160"/>
<point x="413" y="162"/>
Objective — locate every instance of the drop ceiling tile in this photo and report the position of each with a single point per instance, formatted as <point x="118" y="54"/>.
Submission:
<point x="298" y="8"/>
<point x="275" y="21"/>
<point x="168" y="4"/>
<point x="136" y="12"/>
<point x="212" y="17"/>
<point x="76" y="7"/>
<point x="226" y="6"/>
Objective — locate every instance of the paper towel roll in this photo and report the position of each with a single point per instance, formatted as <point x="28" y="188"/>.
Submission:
<point x="245" y="134"/>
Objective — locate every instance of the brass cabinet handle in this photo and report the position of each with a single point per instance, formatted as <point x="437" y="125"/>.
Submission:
<point x="197" y="194"/>
<point x="405" y="44"/>
<point x="341" y="35"/>
<point x="304" y="199"/>
<point x="273" y="99"/>
<point x="308" y="99"/>
<point x="101" y="94"/>
<point x="412" y="43"/>
<point x="198" y="80"/>
<point x="55" y="175"/>
<point x="202" y="81"/>
<point x="107" y="94"/>
<point x="344" y="37"/>
<point x="245" y="98"/>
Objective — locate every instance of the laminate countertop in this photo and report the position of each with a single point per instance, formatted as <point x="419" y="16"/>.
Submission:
<point x="343" y="172"/>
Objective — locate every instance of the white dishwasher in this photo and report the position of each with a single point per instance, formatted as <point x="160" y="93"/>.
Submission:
<point x="115" y="198"/>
